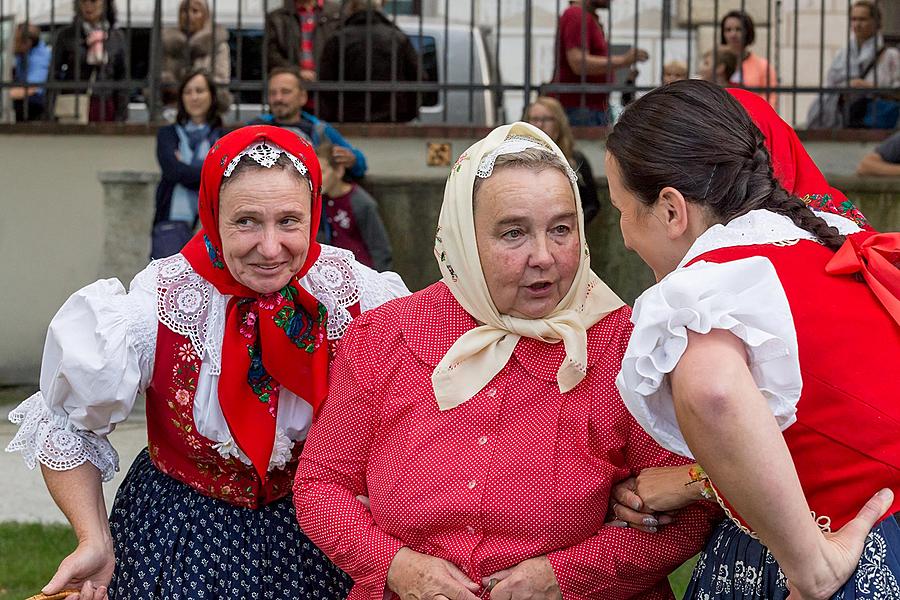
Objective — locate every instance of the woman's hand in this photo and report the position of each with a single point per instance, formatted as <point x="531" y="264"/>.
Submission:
<point x="646" y="501"/>
<point x="416" y="576"/>
<point x="838" y="555"/>
<point x="88" y="569"/>
<point x="531" y="579"/>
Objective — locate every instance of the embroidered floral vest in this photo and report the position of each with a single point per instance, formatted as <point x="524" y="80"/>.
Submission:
<point x="178" y="450"/>
<point x="189" y="321"/>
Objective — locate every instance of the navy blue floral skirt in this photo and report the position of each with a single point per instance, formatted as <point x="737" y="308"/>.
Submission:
<point x="734" y="566"/>
<point x="174" y="543"/>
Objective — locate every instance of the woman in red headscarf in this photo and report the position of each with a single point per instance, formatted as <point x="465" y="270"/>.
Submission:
<point x="230" y="342"/>
<point x="794" y="168"/>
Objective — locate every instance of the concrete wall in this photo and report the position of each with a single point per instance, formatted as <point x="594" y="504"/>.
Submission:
<point x="75" y="208"/>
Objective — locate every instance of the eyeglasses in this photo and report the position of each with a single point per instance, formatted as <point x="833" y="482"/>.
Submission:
<point x="541" y="120"/>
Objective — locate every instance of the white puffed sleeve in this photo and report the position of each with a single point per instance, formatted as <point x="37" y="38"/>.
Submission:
<point x="746" y="298"/>
<point x="377" y="288"/>
<point x="98" y="357"/>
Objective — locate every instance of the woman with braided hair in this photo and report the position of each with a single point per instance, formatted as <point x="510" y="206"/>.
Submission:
<point x="759" y="353"/>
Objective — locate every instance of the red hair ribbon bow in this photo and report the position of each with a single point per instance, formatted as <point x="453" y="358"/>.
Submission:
<point x="877" y="257"/>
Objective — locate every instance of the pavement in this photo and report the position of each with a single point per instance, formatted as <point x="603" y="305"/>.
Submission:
<point x="23" y="495"/>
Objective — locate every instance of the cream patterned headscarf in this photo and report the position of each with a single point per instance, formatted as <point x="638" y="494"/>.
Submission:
<point x="479" y="354"/>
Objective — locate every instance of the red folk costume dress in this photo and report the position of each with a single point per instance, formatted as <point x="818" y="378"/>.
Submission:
<point x="482" y="438"/>
<point x="232" y="379"/>
<point x="819" y="341"/>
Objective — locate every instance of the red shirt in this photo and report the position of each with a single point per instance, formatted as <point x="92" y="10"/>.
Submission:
<point x="579" y="28"/>
<point x="518" y="471"/>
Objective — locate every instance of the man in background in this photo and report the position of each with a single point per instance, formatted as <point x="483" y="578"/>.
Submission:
<point x="582" y="52"/>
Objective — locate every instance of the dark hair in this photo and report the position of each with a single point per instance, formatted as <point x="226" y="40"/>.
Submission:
<point x="695" y="137"/>
<point x="247" y="164"/>
<point x="109" y="11"/>
<point x="874" y="11"/>
<point x="214" y="114"/>
<point x="292" y="70"/>
<point x="28" y="31"/>
<point x="746" y="25"/>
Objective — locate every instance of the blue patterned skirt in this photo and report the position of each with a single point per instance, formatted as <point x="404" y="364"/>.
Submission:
<point x="174" y="543"/>
<point x="734" y="566"/>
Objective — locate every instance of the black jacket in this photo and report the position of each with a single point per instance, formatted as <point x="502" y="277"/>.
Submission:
<point x="391" y="57"/>
<point x="587" y="187"/>
<point x="69" y="63"/>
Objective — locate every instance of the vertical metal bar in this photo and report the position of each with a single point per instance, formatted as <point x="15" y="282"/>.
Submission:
<point x="421" y="59"/>
<point x="2" y="56"/>
<point x="743" y="45"/>
<point x="796" y="58"/>
<point x="527" y="88"/>
<point x="772" y="28"/>
<point x="690" y="34"/>
<point x="446" y="78"/>
<point x="26" y="108"/>
<point x="662" y="42"/>
<point x="342" y="53"/>
<point x="239" y="44"/>
<point x="155" y="56"/>
<point x="213" y="47"/>
<point x="717" y="40"/>
<point x="846" y="82"/>
<point x="264" y="93"/>
<point x="471" y="58"/>
<point x="821" y="44"/>
<point x="368" y="103"/>
<point x="498" y="88"/>
<point x="584" y="54"/>
<point x="394" y="61"/>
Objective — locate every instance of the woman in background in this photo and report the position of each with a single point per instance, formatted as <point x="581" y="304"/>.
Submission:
<point x="180" y="150"/>
<point x="547" y="114"/>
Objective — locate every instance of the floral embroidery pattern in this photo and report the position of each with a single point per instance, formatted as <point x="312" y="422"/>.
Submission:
<point x="457" y="167"/>
<point x="824" y="203"/>
<point x="215" y="255"/>
<point x="305" y="331"/>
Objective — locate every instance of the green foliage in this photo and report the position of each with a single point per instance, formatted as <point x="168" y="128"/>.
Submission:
<point x="681" y="576"/>
<point x="29" y="555"/>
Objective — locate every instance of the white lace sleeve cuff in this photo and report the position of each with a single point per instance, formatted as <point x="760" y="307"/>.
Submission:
<point x="47" y="438"/>
<point x="746" y="298"/>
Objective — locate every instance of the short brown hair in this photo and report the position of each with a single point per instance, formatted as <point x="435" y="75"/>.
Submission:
<point x="292" y="70"/>
<point x="874" y="10"/>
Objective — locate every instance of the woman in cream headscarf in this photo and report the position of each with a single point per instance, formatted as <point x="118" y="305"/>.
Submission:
<point x="473" y="430"/>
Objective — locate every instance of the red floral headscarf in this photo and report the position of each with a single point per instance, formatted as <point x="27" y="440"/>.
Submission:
<point x="793" y="167"/>
<point x="271" y="340"/>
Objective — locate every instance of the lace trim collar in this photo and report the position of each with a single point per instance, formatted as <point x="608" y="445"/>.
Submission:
<point x="192" y="307"/>
<point x="758" y="227"/>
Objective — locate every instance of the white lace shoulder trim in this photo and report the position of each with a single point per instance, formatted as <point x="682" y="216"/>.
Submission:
<point x="760" y="227"/>
<point x="46" y="438"/>
<point x="191" y="306"/>
<point x="334" y="282"/>
<point x="744" y="297"/>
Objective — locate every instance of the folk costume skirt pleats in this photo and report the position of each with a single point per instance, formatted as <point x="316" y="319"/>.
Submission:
<point x="176" y="544"/>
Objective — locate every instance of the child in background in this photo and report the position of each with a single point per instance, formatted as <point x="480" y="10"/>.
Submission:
<point x="350" y="218"/>
<point x="675" y="70"/>
<point x="726" y="65"/>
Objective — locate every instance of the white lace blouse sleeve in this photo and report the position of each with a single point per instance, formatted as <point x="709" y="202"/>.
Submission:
<point x="746" y="298"/>
<point x="98" y="356"/>
<point x="377" y="288"/>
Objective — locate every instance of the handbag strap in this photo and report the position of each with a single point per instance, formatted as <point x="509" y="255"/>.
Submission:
<point x="873" y="63"/>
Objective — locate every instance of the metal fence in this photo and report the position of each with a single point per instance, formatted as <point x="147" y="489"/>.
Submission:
<point x="478" y="61"/>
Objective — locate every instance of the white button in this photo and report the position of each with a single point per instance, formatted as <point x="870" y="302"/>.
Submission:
<point x="492" y="392"/>
<point x="470" y="529"/>
<point x="482" y="440"/>
<point x="472" y="484"/>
